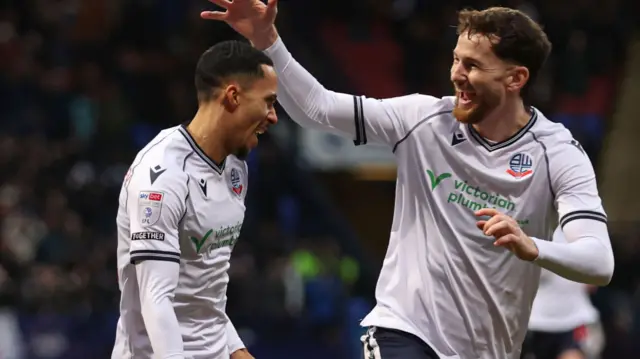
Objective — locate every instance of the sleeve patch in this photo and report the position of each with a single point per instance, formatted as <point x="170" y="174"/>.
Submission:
<point x="147" y="236"/>
<point x="149" y="207"/>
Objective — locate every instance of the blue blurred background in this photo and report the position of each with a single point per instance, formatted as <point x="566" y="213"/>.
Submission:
<point x="84" y="84"/>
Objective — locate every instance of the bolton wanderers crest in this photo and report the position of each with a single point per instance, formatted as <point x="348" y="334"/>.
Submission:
<point x="520" y="165"/>
<point x="236" y="182"/>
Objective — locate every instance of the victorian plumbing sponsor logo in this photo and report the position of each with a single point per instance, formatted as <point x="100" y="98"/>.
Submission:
<point x="471" y="196"/>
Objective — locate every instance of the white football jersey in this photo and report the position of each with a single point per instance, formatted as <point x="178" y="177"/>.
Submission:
<point x="442" y="279"/>
<point x="561" y="305"/>
<point x="177" y="205"/>
<point x="473" y="298"/>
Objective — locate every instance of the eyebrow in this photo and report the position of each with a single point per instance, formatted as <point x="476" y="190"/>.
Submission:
<point x="272" y="97"/>
<point x="468" y="58"/>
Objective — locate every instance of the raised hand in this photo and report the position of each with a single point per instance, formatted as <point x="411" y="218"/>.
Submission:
<point x="250" y="18"/>
<point x="507" y="233"/>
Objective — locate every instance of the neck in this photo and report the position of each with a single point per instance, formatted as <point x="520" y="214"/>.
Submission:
<point x="206" y="130"/>
<point x="502" y="123"/>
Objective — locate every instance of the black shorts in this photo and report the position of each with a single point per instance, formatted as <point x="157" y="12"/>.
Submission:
<point x="383" y="343"/>
<point x="550" y="345"/>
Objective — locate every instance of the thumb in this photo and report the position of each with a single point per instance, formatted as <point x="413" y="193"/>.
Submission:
<point x="272" y="8"/>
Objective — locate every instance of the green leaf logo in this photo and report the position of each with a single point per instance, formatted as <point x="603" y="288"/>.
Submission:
<point x="435" y="180"/>
<point x="199" y="242"/>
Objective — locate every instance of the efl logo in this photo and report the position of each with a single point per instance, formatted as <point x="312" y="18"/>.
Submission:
<point x="155" y="196"/>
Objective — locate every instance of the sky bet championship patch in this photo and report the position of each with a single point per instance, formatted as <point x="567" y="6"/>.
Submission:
<point x="149" y="207"/>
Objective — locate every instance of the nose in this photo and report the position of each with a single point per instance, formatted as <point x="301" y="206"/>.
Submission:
<point x="272" y="117"/>
<point x="457" y="73"/>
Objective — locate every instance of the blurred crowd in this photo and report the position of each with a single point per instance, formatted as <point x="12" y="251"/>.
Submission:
<point x="85" y="84"/>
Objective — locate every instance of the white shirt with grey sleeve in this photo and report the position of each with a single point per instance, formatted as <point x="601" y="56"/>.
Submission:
<point x="179" y="217"/>
<point x="442" y="279"/>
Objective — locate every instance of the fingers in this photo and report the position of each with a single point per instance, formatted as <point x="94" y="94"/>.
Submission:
<point x="480" y="224"/>
<point x="222" y="3"/>
<point x="487" y="212"/>
<point x="492" y="221"/>
<point x="506" y="241"/>
<point x="213" y="15"/>
<point x="500" y="226"/>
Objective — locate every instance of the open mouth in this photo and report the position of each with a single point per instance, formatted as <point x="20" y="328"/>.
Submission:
<point x="261" y="130"/>
<point x="465" y="97"/>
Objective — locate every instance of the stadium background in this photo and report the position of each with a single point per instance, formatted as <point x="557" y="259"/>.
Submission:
<point x="84" y="84"/>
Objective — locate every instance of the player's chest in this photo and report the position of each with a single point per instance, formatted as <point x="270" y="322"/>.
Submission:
<point x="461" y="174"/>
<point x="215" y="213"/>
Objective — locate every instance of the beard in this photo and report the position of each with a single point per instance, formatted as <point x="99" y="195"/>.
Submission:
<point x="481" y="106"/>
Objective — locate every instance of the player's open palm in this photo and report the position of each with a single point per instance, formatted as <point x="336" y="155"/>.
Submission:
<point x="252" y="19"/>
<point x="507" y="233"/>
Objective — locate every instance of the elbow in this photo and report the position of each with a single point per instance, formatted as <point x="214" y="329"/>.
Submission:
<point x="605" y="271"/>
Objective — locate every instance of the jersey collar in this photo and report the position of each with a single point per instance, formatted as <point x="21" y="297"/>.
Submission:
<point x="509" y="141"/>
<point x="216" y="167"/>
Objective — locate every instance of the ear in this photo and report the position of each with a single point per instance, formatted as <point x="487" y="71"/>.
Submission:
<point x="518" y="78"/>
<point x="231" y="98"/>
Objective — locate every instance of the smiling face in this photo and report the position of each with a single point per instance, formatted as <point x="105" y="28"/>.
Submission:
<point x="252" y="112"/>
<point x="499" y="50"/>
<point x="481" y="79"/>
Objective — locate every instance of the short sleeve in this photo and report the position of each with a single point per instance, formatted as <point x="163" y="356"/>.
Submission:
<point x="155" y="209"/>
<point x="574" y="184"/>
<point x="388" y="121"/>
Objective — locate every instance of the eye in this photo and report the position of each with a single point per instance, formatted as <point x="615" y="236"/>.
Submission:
<point x="271" y="101"/>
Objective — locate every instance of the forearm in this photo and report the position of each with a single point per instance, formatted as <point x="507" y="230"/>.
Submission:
<point x="586" y="257"/>
<point x="305" y="99"/>
<point x="234" y="343"/>
<point x="157" y="280"/>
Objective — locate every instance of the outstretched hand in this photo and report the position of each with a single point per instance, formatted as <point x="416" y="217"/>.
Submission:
<point x="507" y="233"/>
<point x="252" y="19"/>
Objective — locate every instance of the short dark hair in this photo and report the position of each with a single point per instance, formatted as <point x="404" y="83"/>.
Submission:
<point x="519" y="38"/>
<point x="226" y="60"/>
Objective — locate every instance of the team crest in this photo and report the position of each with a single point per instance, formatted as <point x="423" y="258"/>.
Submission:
<point x="149" y="207"/>
<point x="236" y="182"/>
<point x="520" y="165"/>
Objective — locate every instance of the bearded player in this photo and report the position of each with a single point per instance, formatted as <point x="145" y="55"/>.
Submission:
<point x="483" y="180"/>
<point x="181" y="210"/>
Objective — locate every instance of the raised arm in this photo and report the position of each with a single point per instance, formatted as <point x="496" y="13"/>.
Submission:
<point x="155" y="211"/>
<point x="363" y="119"/>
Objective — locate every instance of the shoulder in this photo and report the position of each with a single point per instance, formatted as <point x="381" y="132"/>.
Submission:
<point x="569" y="165"/>
<point x="557" y="140"/>
<point x="160" y="164"/>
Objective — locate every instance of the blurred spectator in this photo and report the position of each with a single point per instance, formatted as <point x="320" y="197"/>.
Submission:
<point x="85" y="84"/>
